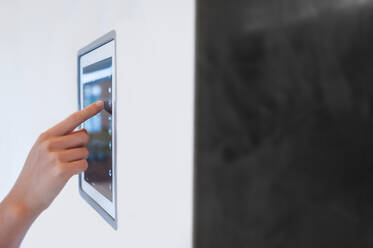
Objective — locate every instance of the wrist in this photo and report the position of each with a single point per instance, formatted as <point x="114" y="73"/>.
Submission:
<point x="15" y="219"/>
<point x="18" y="210"/>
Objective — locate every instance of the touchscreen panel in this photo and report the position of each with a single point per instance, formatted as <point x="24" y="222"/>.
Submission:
<point x="97" y="85"/>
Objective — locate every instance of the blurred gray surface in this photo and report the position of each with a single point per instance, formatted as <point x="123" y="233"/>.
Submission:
<point x="284" y="124"/>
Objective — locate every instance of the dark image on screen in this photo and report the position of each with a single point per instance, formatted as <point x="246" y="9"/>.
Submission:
<point x="97" y="79"/>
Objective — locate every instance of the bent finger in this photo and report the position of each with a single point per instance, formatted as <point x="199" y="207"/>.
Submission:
<point x="74" y="140"/>
<point x="77" y="167"/>
<point x="74" y="154"/>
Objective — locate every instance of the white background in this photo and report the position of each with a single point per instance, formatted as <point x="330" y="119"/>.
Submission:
<point x="155" y="49"/>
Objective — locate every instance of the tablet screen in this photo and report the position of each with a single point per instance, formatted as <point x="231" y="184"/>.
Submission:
<point x="97" y="85"/>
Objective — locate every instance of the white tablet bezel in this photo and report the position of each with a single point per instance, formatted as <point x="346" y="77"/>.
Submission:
<point x="96" y="199"/>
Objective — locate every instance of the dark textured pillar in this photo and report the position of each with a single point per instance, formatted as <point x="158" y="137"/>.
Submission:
<point x="284" y="124"/>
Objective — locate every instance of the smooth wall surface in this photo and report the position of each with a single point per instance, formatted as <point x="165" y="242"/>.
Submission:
<point x="155" y="50"/>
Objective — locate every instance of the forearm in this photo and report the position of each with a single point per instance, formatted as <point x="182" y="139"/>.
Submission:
<point x="15" y="220"/>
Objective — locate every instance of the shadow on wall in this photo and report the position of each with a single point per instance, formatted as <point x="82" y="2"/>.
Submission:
<point x="284" y="145"/>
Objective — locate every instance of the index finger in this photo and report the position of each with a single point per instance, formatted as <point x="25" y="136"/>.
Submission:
<point x="77" y="118"/>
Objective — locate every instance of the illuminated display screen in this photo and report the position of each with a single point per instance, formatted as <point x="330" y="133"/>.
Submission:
<point x="97" y="85"/>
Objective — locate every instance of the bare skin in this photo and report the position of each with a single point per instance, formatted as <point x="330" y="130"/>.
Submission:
<point x="58" y="154"/>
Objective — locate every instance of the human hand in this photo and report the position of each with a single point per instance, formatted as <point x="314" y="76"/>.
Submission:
<point x="58" y="154"/>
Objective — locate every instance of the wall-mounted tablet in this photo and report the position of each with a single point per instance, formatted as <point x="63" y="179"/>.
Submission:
<point x="97" y="81"/>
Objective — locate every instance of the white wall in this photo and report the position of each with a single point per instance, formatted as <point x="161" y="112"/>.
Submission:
<point x="155" y="49"/>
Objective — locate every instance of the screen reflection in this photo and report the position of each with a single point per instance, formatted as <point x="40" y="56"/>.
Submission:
<point x="97" y="85"/>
